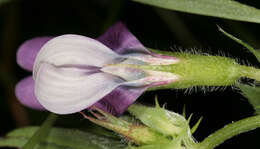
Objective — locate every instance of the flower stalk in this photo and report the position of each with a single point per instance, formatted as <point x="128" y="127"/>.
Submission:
<point x="229" y="131"/>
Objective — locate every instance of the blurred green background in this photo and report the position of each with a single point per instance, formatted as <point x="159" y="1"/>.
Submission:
<point x="156" y="28"/>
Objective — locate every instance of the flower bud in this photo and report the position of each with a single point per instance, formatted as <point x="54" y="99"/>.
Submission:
<point x="136" y="133"/>
<point x="159" y="119"/>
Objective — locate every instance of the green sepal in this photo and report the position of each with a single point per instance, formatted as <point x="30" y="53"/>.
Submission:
<point x="250" y="48"/>
<point x="195" y="127"/>
<point x="252" y="93"/>
<point x="203" y="70"/>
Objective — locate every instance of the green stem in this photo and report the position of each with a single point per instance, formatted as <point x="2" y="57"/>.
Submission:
<point x="42" y="132"/>
<point x="250" y="72"/>
<point x="229" y="131"/>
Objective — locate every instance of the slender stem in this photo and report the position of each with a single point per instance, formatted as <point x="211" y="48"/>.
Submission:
<point x="229" y="131"/>
<point x="42" y="132"/>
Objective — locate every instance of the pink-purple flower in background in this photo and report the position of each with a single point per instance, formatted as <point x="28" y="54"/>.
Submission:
<point x="72" y="72"/>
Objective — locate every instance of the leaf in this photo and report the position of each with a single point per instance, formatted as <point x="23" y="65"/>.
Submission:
<point x="250" y="48"/>
<point x="253" y="95"/>
<point x="228" y="9"/>
<point x="41" y="133"/>
<point x="4" y="1"/>
<point x="61" y="138"/>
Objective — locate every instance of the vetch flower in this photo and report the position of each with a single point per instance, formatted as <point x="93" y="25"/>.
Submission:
<point x="73" y="72"/>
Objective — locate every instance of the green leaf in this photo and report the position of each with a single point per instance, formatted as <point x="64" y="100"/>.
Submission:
<point x="228" y="9"/>
<point x="42" y="133"/>
<point x="250" y="48"/>
<point x="4" y="1"/>
<point x="60" y="138"/>
<point x="253" y="95"/>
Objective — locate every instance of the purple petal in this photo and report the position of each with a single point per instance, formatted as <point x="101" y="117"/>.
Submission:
<point x="24" y="91"/>
<point x="120" y="99"/>
<point x="120" y="40"/>
<point x="27" y="52"/>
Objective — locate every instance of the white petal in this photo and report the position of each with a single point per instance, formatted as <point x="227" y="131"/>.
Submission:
<point x="127" y="73"/>
<point x="153" y="60"/>
<point x="75" y="50"/>
<point x="64" y="90"/>
<point x="154" y="78"/>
